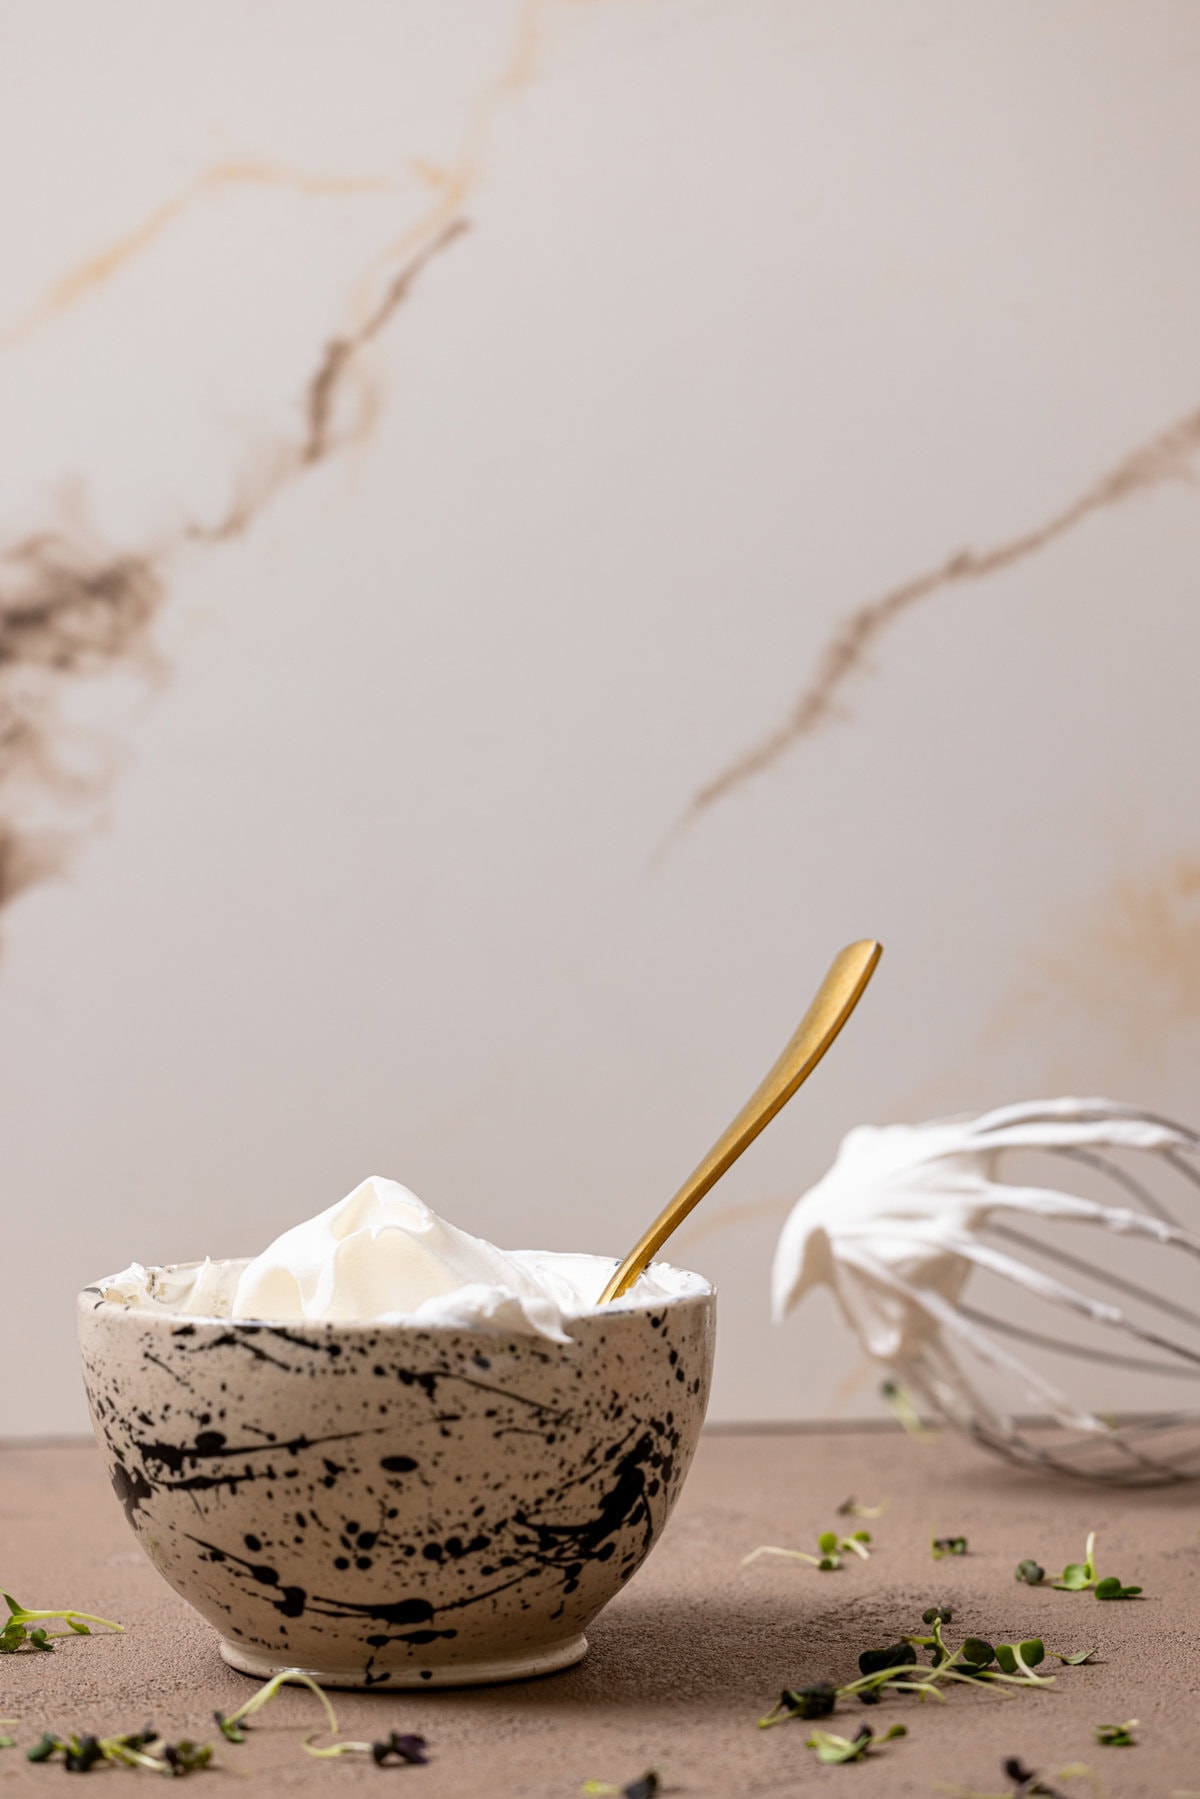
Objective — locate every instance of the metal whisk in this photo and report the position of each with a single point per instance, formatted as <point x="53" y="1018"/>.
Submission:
<point x="991" y="1299"/>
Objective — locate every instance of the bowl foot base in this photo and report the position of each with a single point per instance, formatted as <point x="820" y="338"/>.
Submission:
<point x="446" y="1674"/>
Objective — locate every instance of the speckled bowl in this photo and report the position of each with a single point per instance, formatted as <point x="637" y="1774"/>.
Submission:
<point x="382" y="1503"/>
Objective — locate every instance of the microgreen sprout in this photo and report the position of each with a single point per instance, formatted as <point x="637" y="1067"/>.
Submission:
<point x="896" y="1670"/>
<point x="943" y="1546"/>
<point x="830" y="1548"/>
<point x="135" y="1749"/>
<point x="1111" y="1588"/>
<point x="1031" y="1572"/>
<point x="407" y="1748"/>
<point x="229" y="1726"/>
<point x="903" y="1407"/>
<point x="816" y="1701"/>
<point x="146" y="1749"/>
<point x="832" y="1749"/>
<point x="394" y="1747"/>
<point x="645" y="1788"/>
<point x="331" y="1751"/>
<point x="16" y="1633"/>
<point x="826" y="1563"/>
<point x="850" y="1508"/>
<point x="15" y="1636"/>
<point x="1077" y="1577"/>
<point x="831" y="1544"/>
<point x="900" y="1655"/>
<point x="1022" y="1658"/>
<point x="1117" y="1736"/>
<point x="1026" y="1784"/>
<point x="1024" y="1779"/>
<point x="7" y="1724"/>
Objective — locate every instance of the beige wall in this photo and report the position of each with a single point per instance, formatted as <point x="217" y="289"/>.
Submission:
<point x="401" y="862"/>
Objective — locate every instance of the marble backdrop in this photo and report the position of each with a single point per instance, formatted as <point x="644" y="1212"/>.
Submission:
<point x="523" y="528"/>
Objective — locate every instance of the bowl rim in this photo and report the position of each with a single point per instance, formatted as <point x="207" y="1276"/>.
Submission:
<point x="94" y="1295"/>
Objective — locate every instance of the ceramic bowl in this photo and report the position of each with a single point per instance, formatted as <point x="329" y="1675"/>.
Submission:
<point x="389" y="1503"/>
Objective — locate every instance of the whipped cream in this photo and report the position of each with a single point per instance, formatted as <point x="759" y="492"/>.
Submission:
<point x="382" y="1255"/>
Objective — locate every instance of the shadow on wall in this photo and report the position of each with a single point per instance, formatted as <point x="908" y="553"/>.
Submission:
<point x="1124" y="972"/>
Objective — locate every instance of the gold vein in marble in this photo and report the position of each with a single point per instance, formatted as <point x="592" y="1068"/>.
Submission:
<point x="70" y="607"/>
<point x="95" y="270"/>
<point x="340" y="350"/>
<point x="1170" y="456"/>
<point x="454" y="182"/>
<point x="286" y="459"/>
<point x="380" y="291"/>
<point x="72" y="610"/>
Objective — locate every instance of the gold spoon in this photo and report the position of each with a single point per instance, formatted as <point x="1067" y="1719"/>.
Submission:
<point x="836" y="998"/>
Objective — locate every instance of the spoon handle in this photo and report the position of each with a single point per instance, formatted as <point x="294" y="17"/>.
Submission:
<point x="836" y="998"/>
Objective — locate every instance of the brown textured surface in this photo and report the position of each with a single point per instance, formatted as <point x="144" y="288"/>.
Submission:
<point x="687" y="1658"/>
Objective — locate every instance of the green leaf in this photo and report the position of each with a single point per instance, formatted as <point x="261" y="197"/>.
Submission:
<point x="896" y="1730"/>
<point x="1111" y="1588"/>
<point x="1074" y="1578"/>
<point x="81" y="1630"/>
<point x="16" y="1610"/>
<point x="1117" y="1736"/>
<point x="1073" y="1661"/>
<point x="1021" y="1658"/>
<point x="815" y="1701"/>
<point x="833" y="1749"/>
<point x="977" y="1653"/>
<point x="1031" y="1572"/>
<point x="827" y="1542"/>
<point x="8" y="1742"/>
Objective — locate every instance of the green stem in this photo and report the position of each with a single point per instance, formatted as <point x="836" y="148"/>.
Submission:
<point x="796" y="1555"/>
<point x="333" y="1748"/>
<point x="294" y="1677"/>
<point x="22" y="1617"/>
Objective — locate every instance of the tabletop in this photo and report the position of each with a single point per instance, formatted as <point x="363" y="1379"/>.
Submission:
<point x="698" y="1648"/>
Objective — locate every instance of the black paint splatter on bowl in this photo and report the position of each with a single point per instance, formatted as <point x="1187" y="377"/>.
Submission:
<point x="394" y="1504"/>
